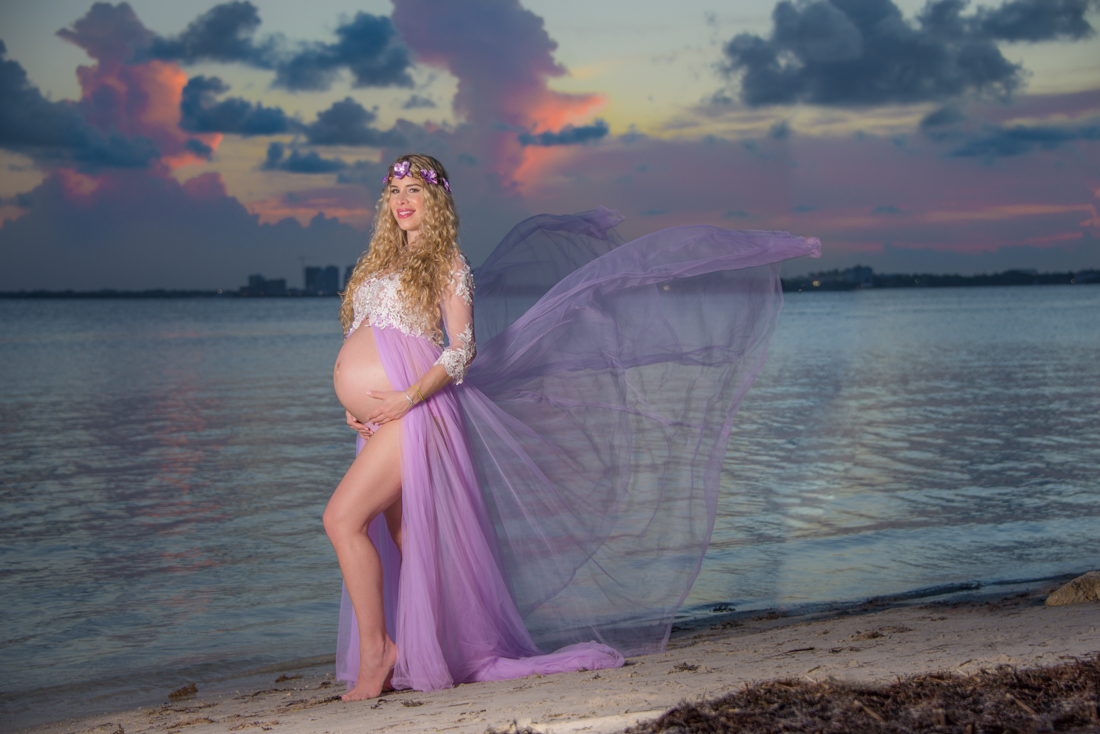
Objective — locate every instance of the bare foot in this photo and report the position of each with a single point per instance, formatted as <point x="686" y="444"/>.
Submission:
<point x="374" y="678"/>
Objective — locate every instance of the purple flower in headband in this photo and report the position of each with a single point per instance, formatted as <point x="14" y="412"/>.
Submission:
<point x="385" y="179"/>
<point x="446" y="186"/>
<point x="429" y="176"/>
<point x="400" y="170"/>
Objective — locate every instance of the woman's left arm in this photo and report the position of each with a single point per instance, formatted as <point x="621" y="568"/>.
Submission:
<point x="458" y="319"/>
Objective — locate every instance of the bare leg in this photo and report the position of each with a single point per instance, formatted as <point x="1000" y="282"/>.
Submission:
<point x="393" y="524"/>
<point x="371" y="486"/>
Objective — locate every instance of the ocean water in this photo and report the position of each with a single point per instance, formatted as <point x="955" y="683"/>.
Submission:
<point x="164" y="465"/>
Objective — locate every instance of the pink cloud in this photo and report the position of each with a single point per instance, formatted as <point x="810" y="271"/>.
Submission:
<point x="133" y="99"/>
<point x="502" y="57"/>
<point x="349" y="204"/>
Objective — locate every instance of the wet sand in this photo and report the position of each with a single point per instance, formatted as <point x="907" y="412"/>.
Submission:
<point x="868" y="644"/>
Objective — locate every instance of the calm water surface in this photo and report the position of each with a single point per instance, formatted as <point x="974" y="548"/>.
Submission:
<point x="164" y="465"/>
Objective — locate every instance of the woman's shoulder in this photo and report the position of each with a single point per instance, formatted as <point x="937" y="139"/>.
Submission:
<point x="459" y="262"/>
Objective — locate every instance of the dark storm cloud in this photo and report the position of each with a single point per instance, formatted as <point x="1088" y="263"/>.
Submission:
<point x="349" y="123"/>
<point x="368" y="46"/>
<point x="1001" y="142"/>
<point x="201" y="113"/>
<point x="223" y="33"/>
<point x="780" y="130"/>
<point x="54" y="132"/>
<point x="109" y="33"/>
<point x="365" y="173"/>
<point x="199" y="148"/>
<point x="943" y="117"/>
<point x="568" y="135"/>
<point x="296" y="162"/>
<point x="1038" y="20"/>
<point x="864" y="52"/>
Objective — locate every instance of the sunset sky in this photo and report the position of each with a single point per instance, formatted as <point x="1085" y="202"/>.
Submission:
<point x="189" y="144"/>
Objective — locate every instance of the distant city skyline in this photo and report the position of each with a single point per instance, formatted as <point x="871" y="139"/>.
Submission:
<point x="188" y="145"/>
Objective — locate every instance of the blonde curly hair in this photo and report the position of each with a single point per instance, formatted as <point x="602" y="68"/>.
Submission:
<point x="426" y="270"/>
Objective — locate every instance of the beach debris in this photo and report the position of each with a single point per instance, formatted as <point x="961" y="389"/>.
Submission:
<point x="728" y="624"/>
<point x="188" y="690"/>
<point x="307" y="703"/>
<point x="109" y="727"/>
<point x="1083" y="588"/>
<point x="1048" y="698"/>
<point x="717" y="608"/>
<point x="1021" y="704"/>
<point x="513" y="728"/>
<point x="683" y="668"/>
<point x="412" y="703"/>
<point x="192" y="721"/>
<point x="791" y="652"/>
<point x="264" y="725"/>
<point x="894" y="629"/>
<point x="284" y="678"/>
<point x="862" y="707"/>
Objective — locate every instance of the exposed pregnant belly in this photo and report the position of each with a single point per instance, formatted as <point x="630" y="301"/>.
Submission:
<point x="358" y="369"/>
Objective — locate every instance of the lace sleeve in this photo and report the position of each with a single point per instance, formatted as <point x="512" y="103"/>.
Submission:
<point x="458" y="320"/>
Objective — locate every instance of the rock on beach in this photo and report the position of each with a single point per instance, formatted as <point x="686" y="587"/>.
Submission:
<point x="1081" y="589"/>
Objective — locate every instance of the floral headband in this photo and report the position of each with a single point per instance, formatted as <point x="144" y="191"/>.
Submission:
<point x="401" y="169"/>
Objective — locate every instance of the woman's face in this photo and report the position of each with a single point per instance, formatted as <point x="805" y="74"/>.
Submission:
<point x="407" y="205"/>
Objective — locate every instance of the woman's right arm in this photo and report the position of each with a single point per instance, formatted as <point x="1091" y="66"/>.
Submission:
<point x="360" y="428"/>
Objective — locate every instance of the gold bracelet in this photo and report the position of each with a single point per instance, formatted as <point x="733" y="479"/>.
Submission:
<point x="422" y="398"/>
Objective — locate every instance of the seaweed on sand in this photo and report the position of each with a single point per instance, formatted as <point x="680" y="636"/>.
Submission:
<point x="1060" y="698"/>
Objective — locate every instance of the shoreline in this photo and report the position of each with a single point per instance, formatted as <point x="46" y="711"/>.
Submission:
<point x="811" y="283"/>
<point x="875" y="642"/>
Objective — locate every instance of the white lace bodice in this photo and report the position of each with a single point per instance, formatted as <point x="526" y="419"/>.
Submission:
<point x="378" y="302"/>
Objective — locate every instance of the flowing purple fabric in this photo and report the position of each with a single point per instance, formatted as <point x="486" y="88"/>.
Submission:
<point x="562" y="497"/>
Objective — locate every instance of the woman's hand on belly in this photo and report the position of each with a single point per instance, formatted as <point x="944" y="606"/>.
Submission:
<point x="386" y="406"/>
<point x="360" y="428"/>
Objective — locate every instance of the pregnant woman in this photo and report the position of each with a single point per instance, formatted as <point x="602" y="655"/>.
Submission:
<point x="564" y="484"/>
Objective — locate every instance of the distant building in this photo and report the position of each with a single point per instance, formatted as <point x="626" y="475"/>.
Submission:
<point x="322" y="281"/>
<point x="347" y="275"/>
<point x="860" y="276"/>
<point x="258" y="285"/>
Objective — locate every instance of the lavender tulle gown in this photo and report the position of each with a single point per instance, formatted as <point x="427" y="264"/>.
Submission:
<point x="562" y="497"/>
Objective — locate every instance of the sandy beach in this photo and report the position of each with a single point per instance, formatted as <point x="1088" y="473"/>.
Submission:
<point x="874" y="643"/>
